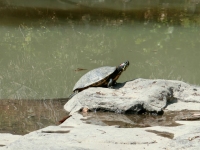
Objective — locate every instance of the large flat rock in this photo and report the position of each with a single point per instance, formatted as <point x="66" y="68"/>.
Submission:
<point x="74" y="134"/>
<point x="6" y="138"/>
<point x="138" y="95"/>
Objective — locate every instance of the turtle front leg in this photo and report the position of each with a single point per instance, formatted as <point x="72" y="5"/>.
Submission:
<point x="110" y="84"/>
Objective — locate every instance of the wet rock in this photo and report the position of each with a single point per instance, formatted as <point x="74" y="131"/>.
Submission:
<point x="138" y="95"/>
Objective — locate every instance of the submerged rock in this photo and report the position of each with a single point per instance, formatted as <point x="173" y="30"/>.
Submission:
<point x="137" y="96"/>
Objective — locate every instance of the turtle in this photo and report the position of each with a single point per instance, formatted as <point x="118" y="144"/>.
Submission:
<point x="100" y="77"/>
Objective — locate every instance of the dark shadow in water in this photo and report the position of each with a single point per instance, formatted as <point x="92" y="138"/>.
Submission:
<point x="139" y="120"/>
<point x="163" y="134"/>
<point x="24" y="116"/>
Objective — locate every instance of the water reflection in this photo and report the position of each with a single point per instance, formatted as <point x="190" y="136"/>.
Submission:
<point x="142" y="120"/>
<point x="24" y="116"/>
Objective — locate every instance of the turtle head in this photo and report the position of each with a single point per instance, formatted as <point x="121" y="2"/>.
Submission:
<point x="123" y="66"/>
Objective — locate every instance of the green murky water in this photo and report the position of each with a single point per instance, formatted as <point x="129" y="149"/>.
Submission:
<point x="44" y="44"/>
<point x="24" y="116"/>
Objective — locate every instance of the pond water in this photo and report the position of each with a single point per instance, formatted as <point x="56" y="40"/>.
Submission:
<point x="45" y="45"/>
<point x="24" y="116"/>
<point x="169" y="118"/>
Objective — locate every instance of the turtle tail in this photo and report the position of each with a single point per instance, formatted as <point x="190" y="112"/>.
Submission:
<point x="74" y="93"/>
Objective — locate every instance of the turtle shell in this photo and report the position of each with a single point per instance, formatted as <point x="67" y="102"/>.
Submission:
<point x="95" y="77"/>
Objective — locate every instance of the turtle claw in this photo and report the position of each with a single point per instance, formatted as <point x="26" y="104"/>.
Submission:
<point x="110" y="87"/>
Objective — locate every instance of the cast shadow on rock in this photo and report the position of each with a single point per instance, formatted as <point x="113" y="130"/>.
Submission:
<point x="120" y="85"/>
<point x="171" y="101"/>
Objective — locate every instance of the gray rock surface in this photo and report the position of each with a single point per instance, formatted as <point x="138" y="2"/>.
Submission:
<point x="152" y="95"/>
<point x="137" y="95"/>
<point x="186" y="137"/>
<point x="6" y="138"/>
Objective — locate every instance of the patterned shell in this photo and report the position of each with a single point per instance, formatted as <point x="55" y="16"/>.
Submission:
<point x="93" y="77"/>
